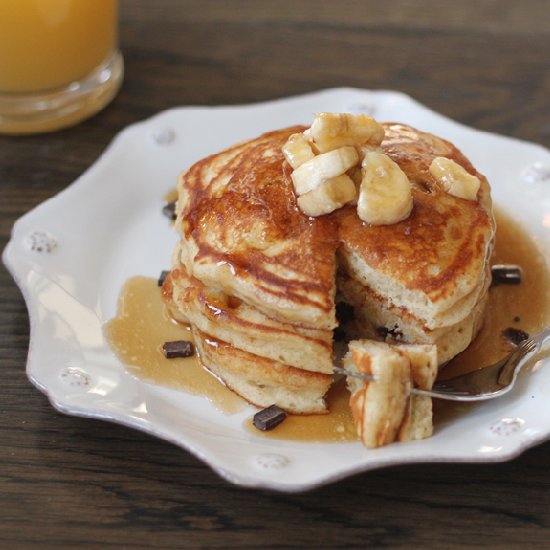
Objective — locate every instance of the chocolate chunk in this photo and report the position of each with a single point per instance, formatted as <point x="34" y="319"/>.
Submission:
<point x="169" y="210"/>
<point x="178" y="348"/>
<point x="515" y="335"/>
<point x="506" y="274"/>
<point x="162" y="277"/>
<point x="269" y="418"/>
<point x="394" y="332"/>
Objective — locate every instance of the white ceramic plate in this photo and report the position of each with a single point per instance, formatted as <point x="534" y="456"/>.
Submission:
<point x="71" y="256"/>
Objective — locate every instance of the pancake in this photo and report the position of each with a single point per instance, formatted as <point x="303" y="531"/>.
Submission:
<point x="231" y="320"/>
<point x="257" y="276"/>
<point x="262" y="381"/>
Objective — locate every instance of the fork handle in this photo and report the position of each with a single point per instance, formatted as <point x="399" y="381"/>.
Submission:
<point x="529" y="347"/>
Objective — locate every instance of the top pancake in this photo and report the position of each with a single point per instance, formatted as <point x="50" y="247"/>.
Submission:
<point x="244" y="234"/>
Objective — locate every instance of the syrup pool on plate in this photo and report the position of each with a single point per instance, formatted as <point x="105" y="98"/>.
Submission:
<point x="525" y="306"/>
<point x="142" y="325"/>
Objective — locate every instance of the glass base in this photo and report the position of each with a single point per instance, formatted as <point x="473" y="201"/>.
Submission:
<point x="56" y="109"/>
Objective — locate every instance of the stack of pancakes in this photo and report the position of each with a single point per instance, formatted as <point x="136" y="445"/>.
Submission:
<point x="258" y="280"/>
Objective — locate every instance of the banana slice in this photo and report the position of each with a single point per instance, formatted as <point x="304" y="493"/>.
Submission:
<point x="328" y="196"/>
<point x="332" y="130"/>
<point x="322" y="167"/>
<point x="385" y="194"/>
<point x="454" y="178"/>
<point x="297" y="150"/>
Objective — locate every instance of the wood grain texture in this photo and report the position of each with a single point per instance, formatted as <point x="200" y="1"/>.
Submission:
<point x="67" y="482"/>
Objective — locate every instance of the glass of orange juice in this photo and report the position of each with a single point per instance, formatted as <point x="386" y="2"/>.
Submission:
<point x="59" y="62"/>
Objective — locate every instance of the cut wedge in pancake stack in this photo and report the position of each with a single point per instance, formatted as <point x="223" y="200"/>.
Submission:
<point x="394" y="222"/>
<point x="425" y="279"/>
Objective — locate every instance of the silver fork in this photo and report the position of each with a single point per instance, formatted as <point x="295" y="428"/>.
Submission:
<point x="484" y="383"/>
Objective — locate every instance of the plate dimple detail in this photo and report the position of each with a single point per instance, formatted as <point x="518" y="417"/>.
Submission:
<point x="75" y="378"/>
<point x="271" y="461"/>
<point x="163" y="136"/>
<point x="538" y="172"/>
<point x="507" y="426"/>
<point x="41" y="242"/>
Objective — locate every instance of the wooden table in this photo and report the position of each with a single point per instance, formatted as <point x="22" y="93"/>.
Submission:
<point x="68" y="482"/>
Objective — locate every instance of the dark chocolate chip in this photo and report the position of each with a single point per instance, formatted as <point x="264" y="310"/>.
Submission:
<point x="517" y="319"/>
<point x="169" y="210"/>
<point x="506" y="274"/>
<point x="162" y="277"/>
<point x="178" y="348"/>
<point x="394" y="332"/>
<point x="515" y="335"/>
<point x="269" y="418"/>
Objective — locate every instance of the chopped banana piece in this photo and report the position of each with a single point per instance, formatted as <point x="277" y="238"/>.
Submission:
<point x="343" y="144"/>
<point x="332" y="130"/>
<point x="454" y="178"/>
<point x="328" y="196"/>
<point x="297" y="150"/>
<point x="322" y="167"/>
<point x="385" y="195"/>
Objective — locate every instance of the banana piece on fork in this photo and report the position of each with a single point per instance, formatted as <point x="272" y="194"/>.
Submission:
<point x="385" y="411"/>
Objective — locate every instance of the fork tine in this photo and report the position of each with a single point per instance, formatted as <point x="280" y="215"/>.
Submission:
<point x="518" y="358"/>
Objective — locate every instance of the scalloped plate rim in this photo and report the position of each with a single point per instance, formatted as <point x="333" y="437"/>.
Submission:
<point x="257" y="481"/>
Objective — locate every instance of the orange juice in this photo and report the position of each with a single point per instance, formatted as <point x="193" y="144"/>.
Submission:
<point x="47" y="44"/>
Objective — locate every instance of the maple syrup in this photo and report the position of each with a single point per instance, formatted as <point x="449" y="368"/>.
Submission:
<point x="137" y="333"/>
<point x="525" y="306"/>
